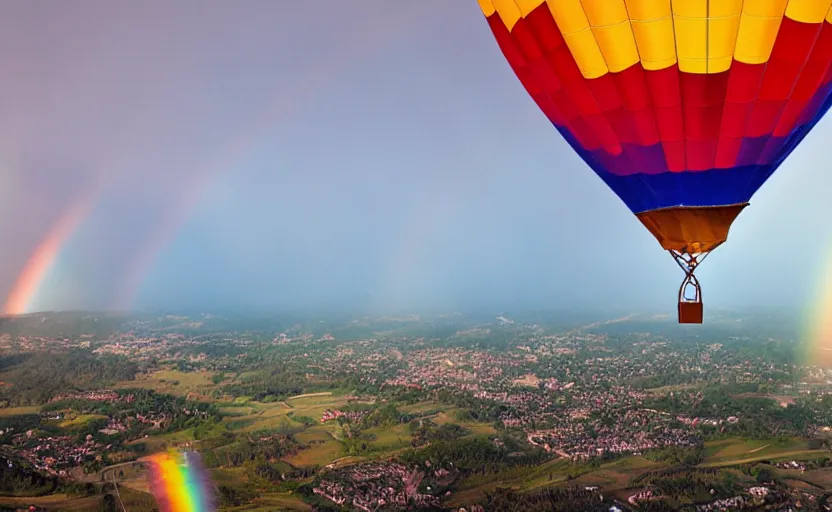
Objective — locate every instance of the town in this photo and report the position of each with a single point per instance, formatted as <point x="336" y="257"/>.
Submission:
<point x="412" y="421"/>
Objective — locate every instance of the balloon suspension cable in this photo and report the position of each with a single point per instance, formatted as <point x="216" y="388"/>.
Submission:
<point x="688" y="263"/>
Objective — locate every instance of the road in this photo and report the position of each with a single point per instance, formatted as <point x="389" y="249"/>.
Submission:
<point x="102" y="474"/>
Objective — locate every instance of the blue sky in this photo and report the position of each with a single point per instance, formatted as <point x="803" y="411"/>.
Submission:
<point x="346" y="154"/>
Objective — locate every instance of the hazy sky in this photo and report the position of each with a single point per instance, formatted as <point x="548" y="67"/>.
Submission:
<point x="265" y="153"/>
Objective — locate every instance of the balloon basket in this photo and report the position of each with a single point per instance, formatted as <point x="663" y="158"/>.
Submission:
<point x="690" y="312"/>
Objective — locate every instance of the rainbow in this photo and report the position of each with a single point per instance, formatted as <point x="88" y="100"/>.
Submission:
<point x="281" y="107"/>
<point x="180" y="483"/>
<point x="25" y="288"/>
<point x="817" y="334"/>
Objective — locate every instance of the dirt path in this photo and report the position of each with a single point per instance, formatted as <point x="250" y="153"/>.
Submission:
<point x="602" y="322"/>
<point x="755" y="450"/>
<point x="781" y="455"/>
<point x="310" y="395"/>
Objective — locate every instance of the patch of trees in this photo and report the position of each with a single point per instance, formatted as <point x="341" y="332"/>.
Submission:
<point x="144" y="401"/>
<point x="109" y="504"/>
<point x="398" y="394"/>
<point x="678" y="455"/>
<point x="691" y="483"/>
<point x="664" y="379"/>
<point x="279" y="472"/>
<point x="464" y="415"/>
<point x="384" y="416"/>
<point x="19" y="480"/>
<point x="251" y="448"/>
<point x="483" y="411"/>
<point x="572" y="499"/>
<point x="759" y="417"/>
<point x="200" y="416"/>
<point x="306" y="421"/>
<point x="355" y="441"/>
<point x="269" y="386"/>
<point x="44" y="375"/>
<point x="20" y="423"/>
<point x="425" y="431"/>
<point x="235" y="496"/>
<point x="7" y="361"/>
<point x="470" y="454"/>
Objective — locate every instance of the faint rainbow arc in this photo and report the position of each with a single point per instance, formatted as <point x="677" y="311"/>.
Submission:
<point x="817" y="335"/>
<point x="43" y="258"/>
<point x="421" y="223"/>
<point x="279" y="108"/>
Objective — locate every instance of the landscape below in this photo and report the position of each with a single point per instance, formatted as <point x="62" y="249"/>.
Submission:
<point x="443" y="412"/>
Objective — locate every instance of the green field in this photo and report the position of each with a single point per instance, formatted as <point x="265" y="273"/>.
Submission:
<point x="727" y="448"/>
<point x="318" y="454"/>
<point x="442" y="414"/>
<point x="424" y="407"/>
<point x="72" y="421"/>
<point x="271" y="502"/>
<point x="174" y="382"/>
<point x="820" y="477"/>
<point x="56" y="503"/>
<point x="728" y="452"/>
<point x="323" y="395"/>
<point x="133" y="499"/>
<point x="227" y="475"/>
<point x="18" y="411"/>
<point x="389" y="438"/>
<point x="475" y="488"/>
<point x="160" y="443"/>
<point x="251" y="416"/>
<point x="616" y="474"/>
<point x="312" y="434"/>
<point x="254" y="416"/>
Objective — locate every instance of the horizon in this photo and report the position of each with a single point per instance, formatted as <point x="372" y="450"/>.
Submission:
<point x="397" y="163"/>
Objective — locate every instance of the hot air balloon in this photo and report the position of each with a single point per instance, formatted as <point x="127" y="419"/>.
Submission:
<point x="684" y="108"/>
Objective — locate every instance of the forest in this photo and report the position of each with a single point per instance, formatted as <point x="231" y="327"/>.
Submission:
<point x="66" y="371"/>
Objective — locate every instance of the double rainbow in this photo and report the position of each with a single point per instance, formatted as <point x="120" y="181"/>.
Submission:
<point x="180" y="483"/>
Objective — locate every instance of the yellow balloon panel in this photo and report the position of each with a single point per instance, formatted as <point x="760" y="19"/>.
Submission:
<point x="587" y="54"/>
<point x="724" y="8"/>
<point x="487" y="7"/>
<point x="579" y="36"/>
<point x="702" y="36"/>
<point x="617" y="45"/>
<point x="808" y="11"/>
<point x="722" y="39"/>
<point x="569" y="14"/>
<point x="527" y="6"/>
<point x="690" y="8"/>
<point x="605" y="12"/>
<point x="691" y="43"/>
<point x="656" y="43"/>
<point x="648" y="10"/>
<point x="755" y="38"/>
<point x="764" y="8"/>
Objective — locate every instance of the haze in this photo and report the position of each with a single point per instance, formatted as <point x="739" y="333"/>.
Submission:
<point x="264" y="154"/>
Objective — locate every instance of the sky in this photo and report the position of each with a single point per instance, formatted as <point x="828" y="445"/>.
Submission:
<point x="211" y="154"/>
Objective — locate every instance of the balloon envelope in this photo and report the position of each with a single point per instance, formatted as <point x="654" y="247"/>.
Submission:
<point x="685" y="107"/>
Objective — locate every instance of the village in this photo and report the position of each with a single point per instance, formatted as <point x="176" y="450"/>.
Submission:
<point x="373" y="486"/>
<point x="57" y="455"/>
